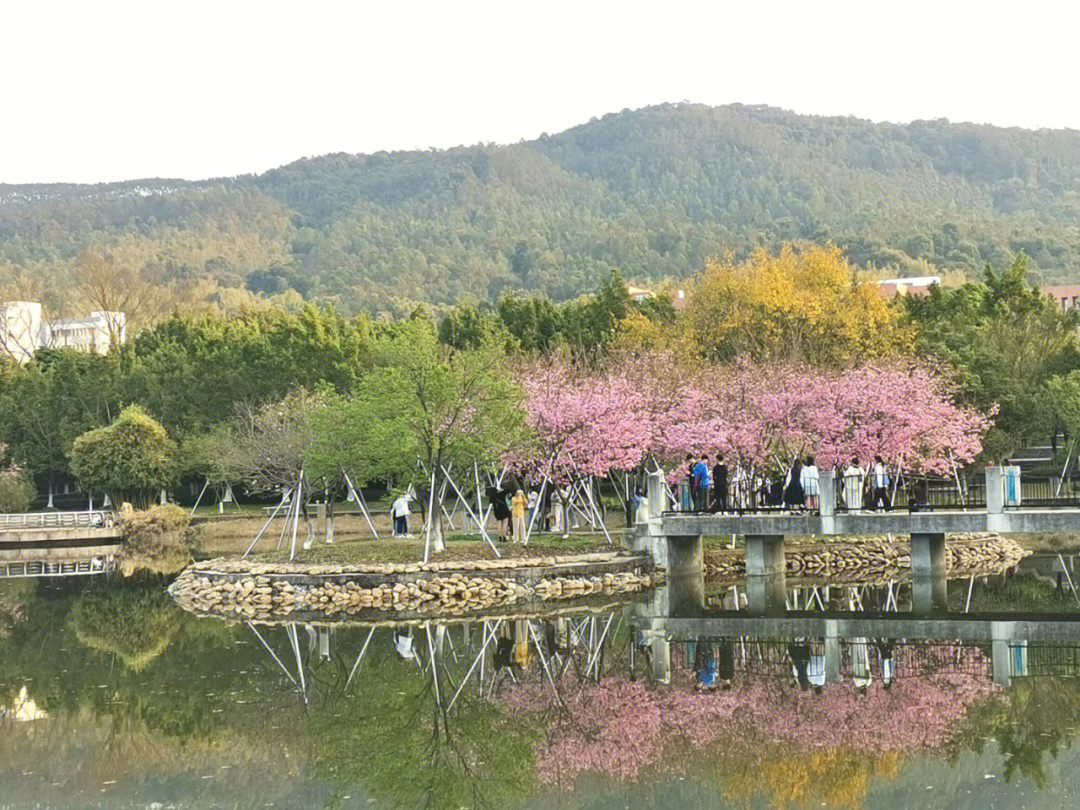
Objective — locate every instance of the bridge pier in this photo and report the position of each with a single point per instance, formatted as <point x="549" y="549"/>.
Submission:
<point x="766" y="574"/>
<point x="1001" y="634"/>
<point x="929" y="582"/>
<point x="833" y="656"/>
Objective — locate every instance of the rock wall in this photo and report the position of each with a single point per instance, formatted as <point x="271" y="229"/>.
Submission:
<point x="246" y="590"/>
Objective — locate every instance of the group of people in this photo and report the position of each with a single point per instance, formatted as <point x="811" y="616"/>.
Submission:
<point x="808" y="667"/>
<point x="514" y="510"/>
<point x="714" y="663"/>
<point x="707" y="486"/>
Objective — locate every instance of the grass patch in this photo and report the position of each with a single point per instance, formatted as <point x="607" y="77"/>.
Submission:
<point x="458" y="547"/>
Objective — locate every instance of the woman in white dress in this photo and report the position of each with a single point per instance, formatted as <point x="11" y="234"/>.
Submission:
<point x="810" y="486"/>
<point x="853" y="486"/>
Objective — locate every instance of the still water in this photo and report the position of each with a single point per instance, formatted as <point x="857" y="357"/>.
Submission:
<point x="112" y="697"/>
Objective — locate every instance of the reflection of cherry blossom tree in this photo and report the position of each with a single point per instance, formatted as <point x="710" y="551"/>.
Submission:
<point x="619" y="727"/>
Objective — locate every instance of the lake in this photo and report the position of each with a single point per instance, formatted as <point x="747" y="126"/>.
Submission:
<point x="112" y="697"/>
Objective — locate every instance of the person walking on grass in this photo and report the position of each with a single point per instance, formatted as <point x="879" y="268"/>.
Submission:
<point x="400" y="512"/>
<point x="517" y="510"/>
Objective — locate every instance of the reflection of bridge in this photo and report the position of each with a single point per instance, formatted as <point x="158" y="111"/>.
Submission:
<point x="58" y="543"/>
<point x="677" y="613"/>
<point x="675" y="538"/>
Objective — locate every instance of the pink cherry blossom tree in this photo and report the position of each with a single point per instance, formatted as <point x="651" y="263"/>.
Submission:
<point x="595" y="419"/>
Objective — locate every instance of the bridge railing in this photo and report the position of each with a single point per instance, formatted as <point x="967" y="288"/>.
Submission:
<point x="57" y="520"/>
<point x="913" y="493"/>
<point x="1047" y="492"/>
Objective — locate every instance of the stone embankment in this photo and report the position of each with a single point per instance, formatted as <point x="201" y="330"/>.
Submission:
<point x="252" y="590"/>
<point x="873" y="561"/>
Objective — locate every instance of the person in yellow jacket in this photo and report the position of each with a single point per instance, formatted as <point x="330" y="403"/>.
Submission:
<point x="517" y="509"/>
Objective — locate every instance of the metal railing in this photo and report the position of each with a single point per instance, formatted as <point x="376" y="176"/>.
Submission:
<point x="912" y="493"/>
<point x="57" y="520"/>
<point x="57" y="568"/>
<point x="1042" y="660"/>
<point x="1044" y="492"/>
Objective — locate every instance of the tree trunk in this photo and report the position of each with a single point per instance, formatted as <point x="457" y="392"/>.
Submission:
<point x="330" y="519"/>
<point x="438" y="544"/>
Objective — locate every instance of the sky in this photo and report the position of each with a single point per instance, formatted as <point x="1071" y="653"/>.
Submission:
<point x="102" y="91"/>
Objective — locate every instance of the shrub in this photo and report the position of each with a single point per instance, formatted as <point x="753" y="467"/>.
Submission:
<point x="158" y="540"/>
<point x="129" y="459"/>
<point x="16" y="490"/>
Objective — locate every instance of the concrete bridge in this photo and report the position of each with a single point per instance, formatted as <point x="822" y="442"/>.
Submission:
<point x="674" y="539"/>
<point x="58" y="543"/>
<point x="677" y="613"/>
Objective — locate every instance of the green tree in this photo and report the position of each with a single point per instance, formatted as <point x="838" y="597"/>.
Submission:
<point x="130" y="458"/>
<point x="49" y="402"/>
<point x="429" y="401"/>
<point x="1008" y="342"/>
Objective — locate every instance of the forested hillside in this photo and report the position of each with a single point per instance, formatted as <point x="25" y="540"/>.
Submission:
<point x="651" y="192"/>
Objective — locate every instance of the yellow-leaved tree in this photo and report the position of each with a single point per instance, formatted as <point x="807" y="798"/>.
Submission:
<point x="802" y="304"/>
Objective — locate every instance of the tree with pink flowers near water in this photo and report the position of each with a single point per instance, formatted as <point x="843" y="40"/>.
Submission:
<point x="633" y="407"/>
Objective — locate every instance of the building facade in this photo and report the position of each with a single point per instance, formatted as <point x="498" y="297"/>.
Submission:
<point x="95" y="333"/>
<point x="20" y="329"/>
<point x="23" y="331"/>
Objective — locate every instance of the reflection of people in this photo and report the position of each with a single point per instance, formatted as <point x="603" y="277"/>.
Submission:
<point x="705" y="664"/>
<point x="860" y="664"/>
<point x="504" y="647"/>
<point x="888" y="663"/>
<point x="404" y="646"/>
<point x="725" y="670"/>
<point x="815" y="672"/>
<point x="799" y="653"/>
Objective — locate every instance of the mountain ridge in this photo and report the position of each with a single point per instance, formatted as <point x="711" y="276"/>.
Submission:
<point x="651" y="192"/>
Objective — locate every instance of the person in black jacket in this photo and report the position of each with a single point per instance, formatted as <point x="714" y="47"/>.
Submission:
<point x="720" y="485"/>
<point x="499" y="508"/>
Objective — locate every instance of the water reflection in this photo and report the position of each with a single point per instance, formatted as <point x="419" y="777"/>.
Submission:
<point x="135" y="702"/>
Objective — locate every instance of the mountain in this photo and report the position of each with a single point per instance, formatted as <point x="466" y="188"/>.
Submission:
<point x="651" y="192"/>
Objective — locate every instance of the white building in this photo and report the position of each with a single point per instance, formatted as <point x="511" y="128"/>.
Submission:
<point x="94" y="333"/>
<point x="23" y="331"/>
<point x="20" y="329"/>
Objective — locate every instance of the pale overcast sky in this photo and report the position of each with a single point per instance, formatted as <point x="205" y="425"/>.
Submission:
<point x="94" y="91"/>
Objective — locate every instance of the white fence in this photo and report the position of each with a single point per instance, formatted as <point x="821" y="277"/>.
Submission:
<point x="57" y="520"/>
<point x="57" y="568"/>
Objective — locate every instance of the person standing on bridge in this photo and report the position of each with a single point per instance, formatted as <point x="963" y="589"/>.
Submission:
<point x="809" y="481"/>
<point x="879" y="478"/>
<point x="720" y="485"/>
<point x="793" y="491"/>
<point x="853" y="486"/>
<point x="700" y="483"/>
